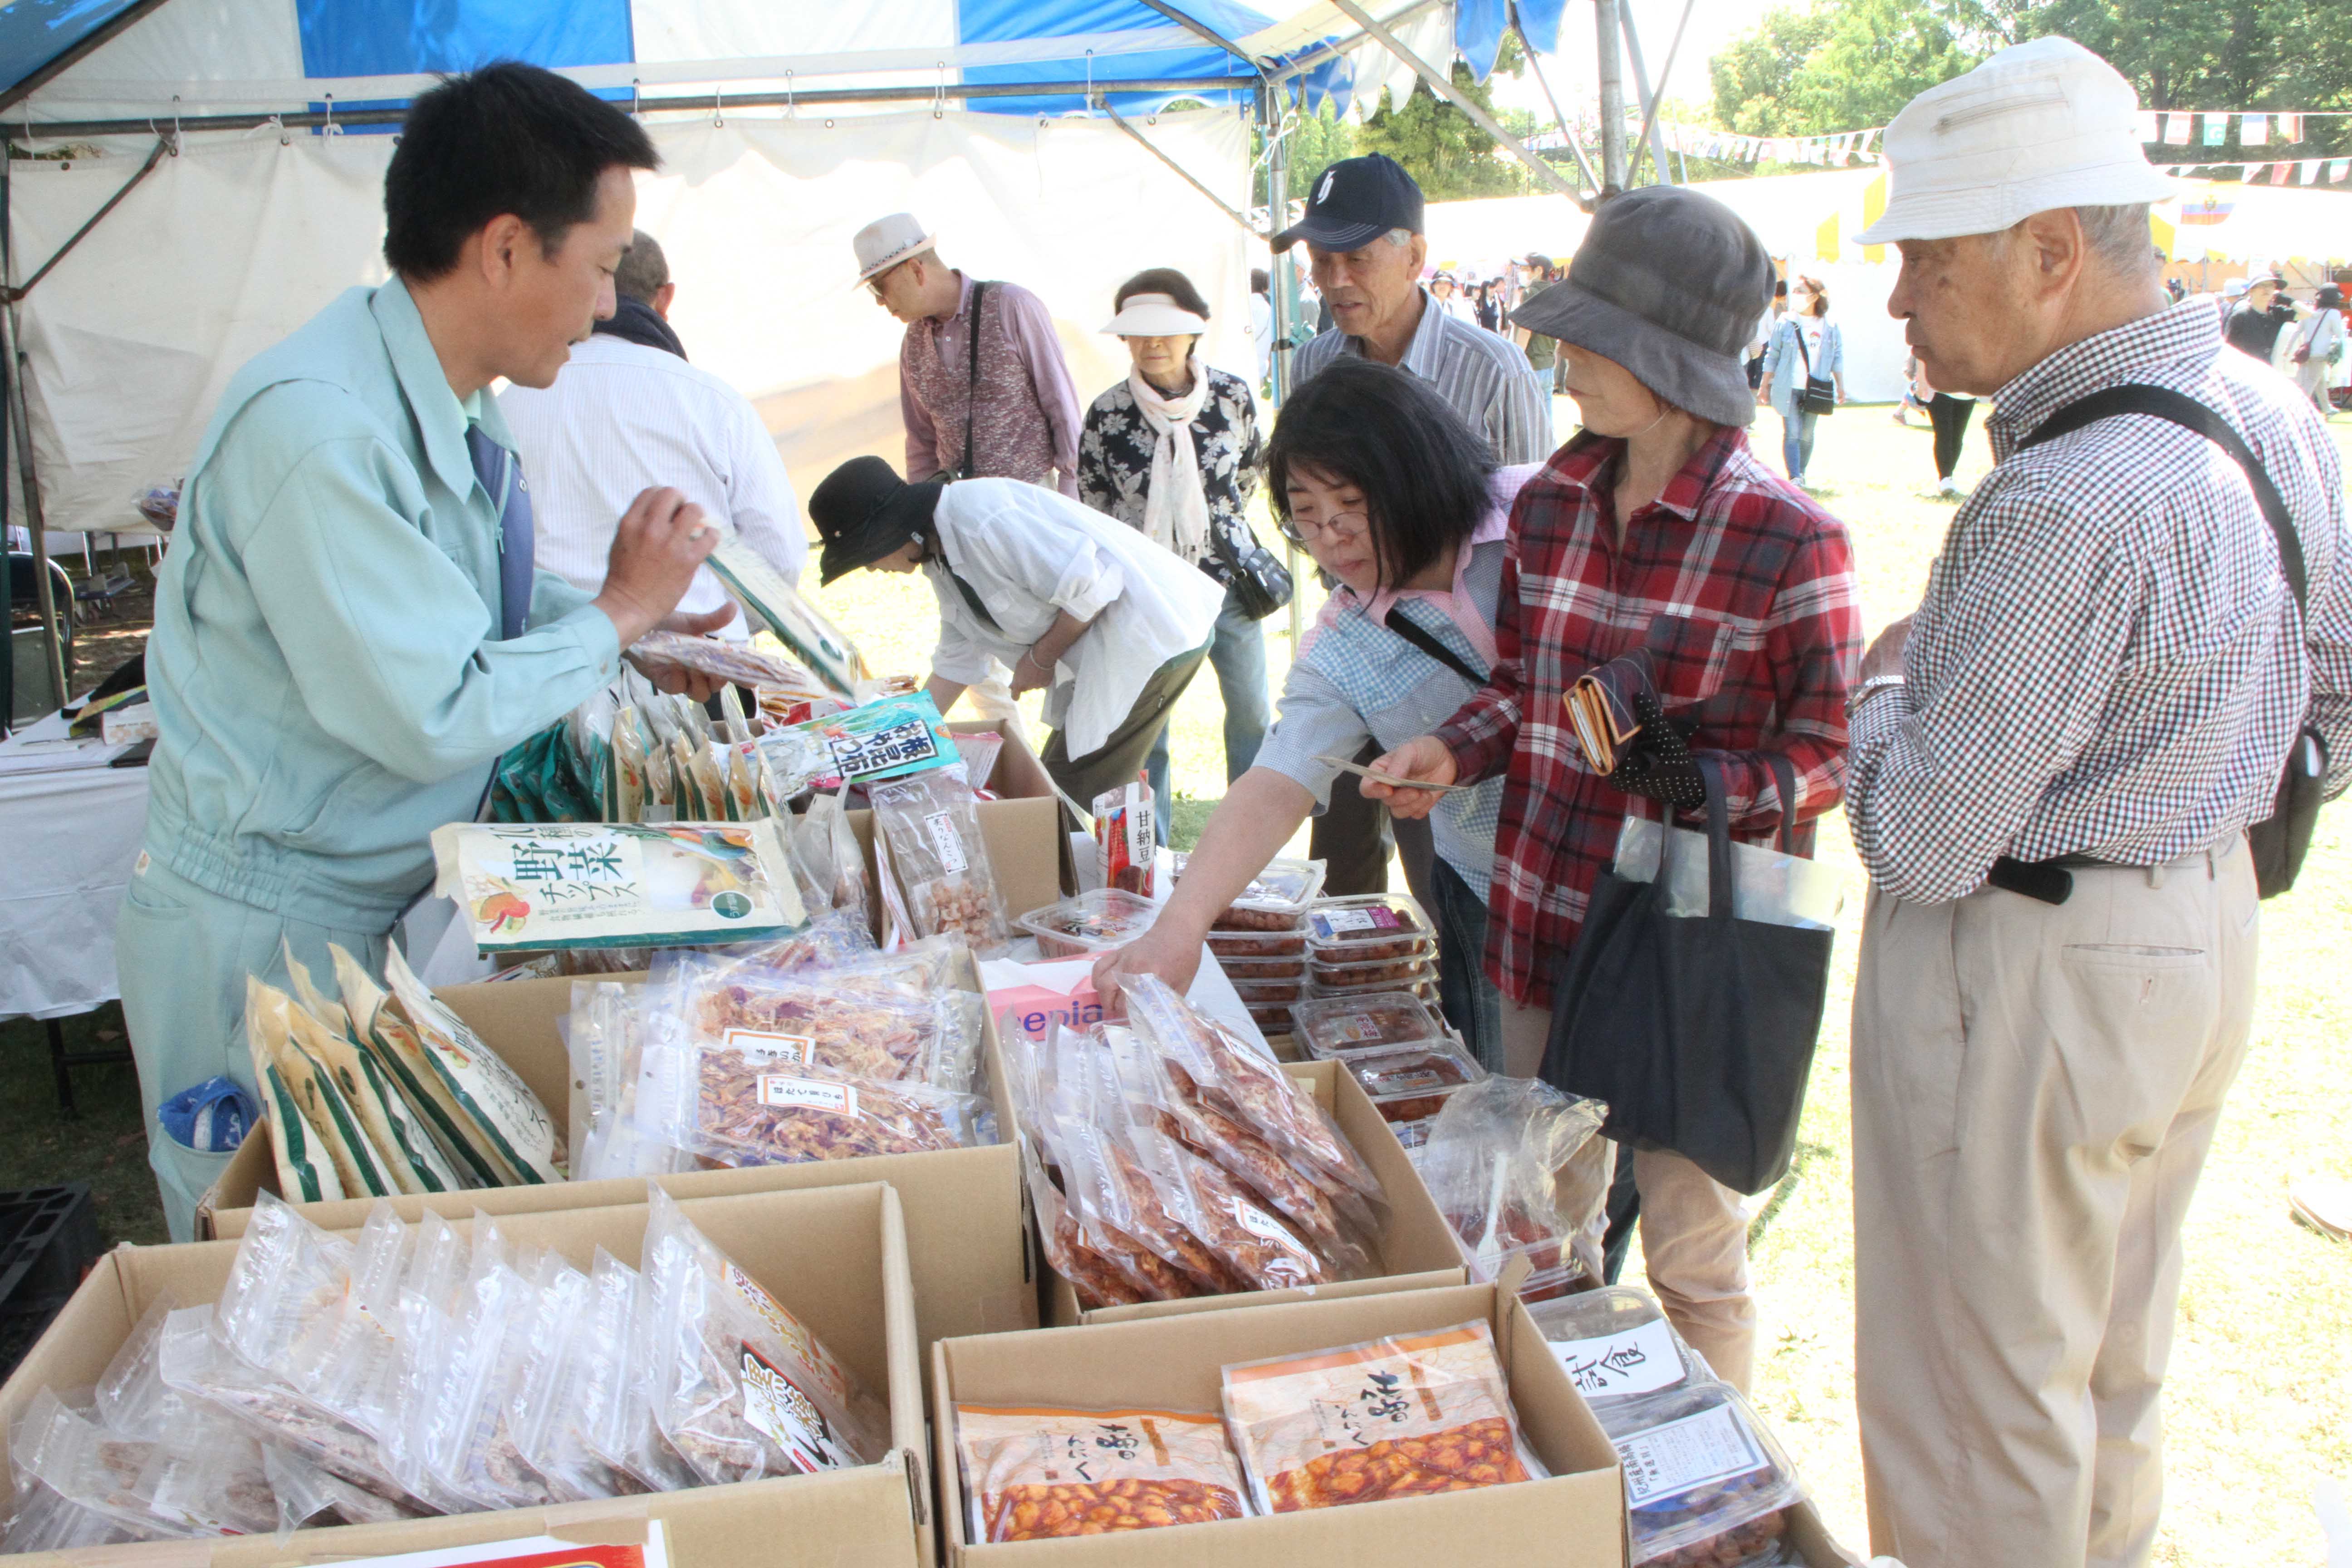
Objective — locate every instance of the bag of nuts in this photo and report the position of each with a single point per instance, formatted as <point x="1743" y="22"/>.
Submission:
<point x="1401" y="1416"/>
<point x="932" y="823"/>
<point x="1042" y="1474"/>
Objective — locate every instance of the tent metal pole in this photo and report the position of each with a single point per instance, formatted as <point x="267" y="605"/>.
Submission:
<point x="21" y="427"/>
<point x="1102" y="102"/>
<point x="702" y="104"/>
<point x="1321" y="52"/>
<point x="1278" y="290"/>
<point x="1443" y="85"/>
<point x="1650" y="132"/>
<point x="132" y="15"/>
<point x="1207" y="34"/>
<point x="1583" y="164"/>
<point x="1649" y="137"/>
<point x="1612" y="74"/>
<point x="162" y="145"/>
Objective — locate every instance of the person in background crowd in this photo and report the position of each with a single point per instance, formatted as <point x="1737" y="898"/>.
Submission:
<point x="1764" y="325"/>
<point x="1363" y="233"/>
<point x="349" y="631"/>
<point x="1543" y="352"/>
<point x="1261" y="327"/>
<point x="628" y="411"/>
<point x="1109" y="625"/>
<point x="1173" y="451"/>
<point x="2255" y="322"/>
<point x="1806" y="345"/>
<point x="1377" y="479"/>
<point x="2053" y="761"/>
<point x="1949" y="415"/>
<point x="2318" y="345"/>
<point x="1490" y="314"/>
<point x="1912" y="397"/>
<point x="1656" y="528"/>
<point x="1447" y="289"/>
<point x="2174" y="289"/>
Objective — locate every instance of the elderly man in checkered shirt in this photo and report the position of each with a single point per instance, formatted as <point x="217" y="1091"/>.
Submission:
<point x="2054" y="764"/>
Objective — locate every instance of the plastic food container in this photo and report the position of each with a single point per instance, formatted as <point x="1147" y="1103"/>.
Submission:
<point x="1356" y="977"/>
<point x="1263" y="968"/>
<point x="1705" y="1482"/>
<point x="1368" y="928"/>
<point x="1287" y="943"/>
<point x="1091" y="922"/>
<point x="1411" y="1084"/>
<point x="1617" y="1344"/>
<point x="1274" y="1019"/>
<point x="1266" y="993"/>
<point x="1424" y="987"/>
<point x="1284" y="887"/>
<point x="1380" y="1020"/>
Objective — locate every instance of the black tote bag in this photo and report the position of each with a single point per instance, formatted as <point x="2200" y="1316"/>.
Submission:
<point x="1697" y="1031"/>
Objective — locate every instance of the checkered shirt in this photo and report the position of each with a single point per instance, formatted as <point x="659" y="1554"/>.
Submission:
<point x="2108" y="661"/>
<point x="1742" y="590"/>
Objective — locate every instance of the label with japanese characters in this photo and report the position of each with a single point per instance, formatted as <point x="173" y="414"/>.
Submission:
<point x="1362" y="1027"/>
<point x="947" y="843"/>
<point x="815" y="1093"/>
<point x="1328" y="923"/>
<point x="571" y="885"/>
<point x="766" y="1045"/>
<point x="776" y="1404"/>
<point x="1680" y="1455"/>
<point x="1611" y="1366"/>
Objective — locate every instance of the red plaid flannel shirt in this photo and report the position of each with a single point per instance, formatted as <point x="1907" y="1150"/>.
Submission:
<point x="1743" y="591"/>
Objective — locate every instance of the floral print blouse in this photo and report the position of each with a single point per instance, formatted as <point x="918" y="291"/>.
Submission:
<point x="1115" y="463"/>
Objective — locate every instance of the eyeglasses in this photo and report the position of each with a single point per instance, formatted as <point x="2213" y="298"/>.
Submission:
<point x="1342" y="525"/>
<point x="874" y="284"/>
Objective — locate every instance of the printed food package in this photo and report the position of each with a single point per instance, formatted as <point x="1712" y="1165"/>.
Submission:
<point x="1338" y="1026"/>
<point x="737" y="663"/>
<point x="1040" y="1474"/>
<point x="1401" y="1416"/>
<point x="1092" y="922"/>
<point x="873" y="1018"/>
<point x="1615" y="1343"/>
<point x="1368" y="928"/>
<point x="743" y="1390"/>
<point x="931" y="824"/>
<point x="888" y="739"/>
<point x="767" y="597"/>
<point x="748" y="1110"/>
<point x="1127" y="844"/>
<point x="476" y="1104"/>
<point x="405" y="1149"/>
<point x="305" y="1168"/>
<point x="1705" y="1483"/>
<point x="530" y="888"/>
<point x="1518" y="1170"/>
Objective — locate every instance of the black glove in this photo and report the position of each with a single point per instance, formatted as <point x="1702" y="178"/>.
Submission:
<point x="1657" y="762"/>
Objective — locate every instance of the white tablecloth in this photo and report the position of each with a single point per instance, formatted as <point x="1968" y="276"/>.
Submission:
<point x="69" y="840"/>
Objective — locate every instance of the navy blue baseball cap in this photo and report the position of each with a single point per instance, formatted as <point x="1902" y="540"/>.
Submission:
<point x="1353" y="202"/>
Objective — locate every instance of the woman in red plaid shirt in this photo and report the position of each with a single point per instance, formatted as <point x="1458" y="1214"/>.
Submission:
<point x="1657" y="529"/>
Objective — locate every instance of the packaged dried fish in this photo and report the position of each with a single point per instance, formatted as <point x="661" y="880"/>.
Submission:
<point x="740" y="664"/>
<point x="931" y="824"/>
<point x="200" y="1365"/>
<point x="1043" y="1474"/>
<point x="739" y="1106"/>
<point x="77" y="1459"/>
<point x="207" y="1478"/>
<point x="547" y="1404"/>
<point x="745" y="1391"/>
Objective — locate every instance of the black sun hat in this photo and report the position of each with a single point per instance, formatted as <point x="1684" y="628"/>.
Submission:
<point x="864" y="511"/>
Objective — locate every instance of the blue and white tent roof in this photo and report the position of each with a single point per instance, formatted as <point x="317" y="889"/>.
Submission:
<point x="80" y="60"/>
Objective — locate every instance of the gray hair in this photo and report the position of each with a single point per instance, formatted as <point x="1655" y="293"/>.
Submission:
<point x="643" y="270"/>
<point x="1399" y="236"/>
<point x="2119" y="237"/>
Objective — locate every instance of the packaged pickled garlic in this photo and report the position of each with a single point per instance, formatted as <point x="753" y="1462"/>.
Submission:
<point x="1040" y="1474"/>
<point x="1402" y="1416"/>
<point x="530" y="886"/>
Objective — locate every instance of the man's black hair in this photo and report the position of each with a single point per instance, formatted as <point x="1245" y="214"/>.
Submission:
<point x="1162" y="281"/>
<point x="1387" y="432"/>
<point x="508" y="138"/>
<point x="1259" y="282"/>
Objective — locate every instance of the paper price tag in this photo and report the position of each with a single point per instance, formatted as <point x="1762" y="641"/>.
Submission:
<point x="1640" y="1361"/>
<point x="808" y="1091"/>
<point x="946" y="842"/>
<point x="1359" y="1026"/>
<point x="1695" y="1451"/>
<point x="773" y="1047"/>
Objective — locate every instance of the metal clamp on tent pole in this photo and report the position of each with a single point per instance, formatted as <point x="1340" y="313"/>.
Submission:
<point x="717" y="108"/>
<point x="939" y="98"/>
<point x="637" y="99"/>
<point x="1182" y="173"/>
<point x="792" y="109"/>
<point x="162" y="145"/>
<point x="329" y="128"/>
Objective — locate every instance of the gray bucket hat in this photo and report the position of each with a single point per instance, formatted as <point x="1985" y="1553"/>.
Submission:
<point x="1668" y="283"/>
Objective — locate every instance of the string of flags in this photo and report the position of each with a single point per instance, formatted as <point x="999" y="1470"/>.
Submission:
<point x="2293" y="172"/>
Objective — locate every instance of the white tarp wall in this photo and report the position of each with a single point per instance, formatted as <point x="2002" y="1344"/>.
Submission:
<point x="228" y="247"/>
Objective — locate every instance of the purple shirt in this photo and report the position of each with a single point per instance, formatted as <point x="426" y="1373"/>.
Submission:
<point x="1030" y="329"/>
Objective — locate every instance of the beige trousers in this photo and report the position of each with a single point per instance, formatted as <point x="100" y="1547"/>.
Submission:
<point x="1693" y="1231"/>
<point x="2035" y="1088"/>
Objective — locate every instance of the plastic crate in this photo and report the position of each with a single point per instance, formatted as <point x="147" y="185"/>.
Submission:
<point x="49" y="1239"/>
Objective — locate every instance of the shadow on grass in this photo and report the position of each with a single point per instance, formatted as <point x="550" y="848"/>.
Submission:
<point x="105" y="1145"/>
<point x="1805" y="1155"/>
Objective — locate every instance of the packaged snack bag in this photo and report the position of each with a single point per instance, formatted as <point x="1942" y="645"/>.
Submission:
<point x="1042" y="1474"/>
<point x="1127" y="846"/>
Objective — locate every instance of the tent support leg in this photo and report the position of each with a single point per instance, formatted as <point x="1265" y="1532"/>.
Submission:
<point x="1280" y="286"/>
<point x="11" y="339"/>
<point x="1443" y="85"/>
<point x="1612" y="74"/>
<point x="162" y="145"/>
<point x="1583" y="164"/>
<point x="1102" y="102"/>
<point x="1649" y="137"/>
<point x="1650" y="132"/>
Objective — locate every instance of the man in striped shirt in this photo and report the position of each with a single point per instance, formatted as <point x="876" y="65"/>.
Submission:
<point x="2054" y="762"/>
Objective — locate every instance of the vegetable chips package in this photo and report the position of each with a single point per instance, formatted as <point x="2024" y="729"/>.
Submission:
<point x="405" y="1155"/>
<point x="1042" y="1474"/>
<point x="745" y="1391"/>
<point x="305" y="1171"/>
<point x="932" y="824"/>
<point x="488" y="1113"/>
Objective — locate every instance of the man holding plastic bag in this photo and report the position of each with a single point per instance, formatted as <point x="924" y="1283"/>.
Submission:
<point x="349" y="631"/>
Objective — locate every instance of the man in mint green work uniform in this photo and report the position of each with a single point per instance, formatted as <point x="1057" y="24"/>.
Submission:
<point x="347" y="627"/>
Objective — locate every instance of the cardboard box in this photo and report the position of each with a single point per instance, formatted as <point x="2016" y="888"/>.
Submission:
<point x="835" y="1257"/>
<point x="1416" y="1245"/>
<point x="1173" y="1363"/>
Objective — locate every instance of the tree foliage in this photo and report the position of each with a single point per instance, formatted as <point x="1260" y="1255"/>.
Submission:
<point x="1442" y="147"/>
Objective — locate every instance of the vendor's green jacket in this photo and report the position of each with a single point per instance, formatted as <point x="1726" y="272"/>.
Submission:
<point x="326" y="689"/>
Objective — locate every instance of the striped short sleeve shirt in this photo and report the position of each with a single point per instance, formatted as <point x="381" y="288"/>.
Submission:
<point x="1485" y="377"/>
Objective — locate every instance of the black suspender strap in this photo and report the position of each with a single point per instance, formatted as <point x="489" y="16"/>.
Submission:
<point x="969" y="469"/>
<point x="2163" y="403"/>
<point x="1403" y="624"/>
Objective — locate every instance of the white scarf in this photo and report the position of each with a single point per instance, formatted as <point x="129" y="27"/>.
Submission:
<point x="1176" y="507"/>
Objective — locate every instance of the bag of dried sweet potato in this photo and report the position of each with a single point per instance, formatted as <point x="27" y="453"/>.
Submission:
<point x="1033" y="1474"/>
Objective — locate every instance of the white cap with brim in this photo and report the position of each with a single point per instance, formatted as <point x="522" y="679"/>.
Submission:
<point x="886" y="241"/>
<point x="2037" y="126"/>
<point x="1154" y="316"/>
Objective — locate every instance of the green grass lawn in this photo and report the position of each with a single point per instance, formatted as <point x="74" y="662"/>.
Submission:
<point x="2261" y="1397"/>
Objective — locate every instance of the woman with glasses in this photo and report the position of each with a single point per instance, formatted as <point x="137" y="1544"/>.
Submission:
<point x="1375" y="476"/>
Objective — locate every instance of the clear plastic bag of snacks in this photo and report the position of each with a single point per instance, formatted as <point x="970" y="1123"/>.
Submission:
<point x="1519" y="1169"/>
<point x="745" y="1391"/>
<point x="1034" y="1474"/>
<point x="569" y="1351"/>
<point x="618" y="1401"/>
<point x="931" y="824"/>
<point x="1705" y="1482"/>
<point x="1402" y="1416"/>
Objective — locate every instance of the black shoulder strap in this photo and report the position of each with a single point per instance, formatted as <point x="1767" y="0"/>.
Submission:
<point x="1784" y="774"/>
<point x="2180" y="408"/>
<point x="1422" y="638"/>
<point x="971" y="389"/>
